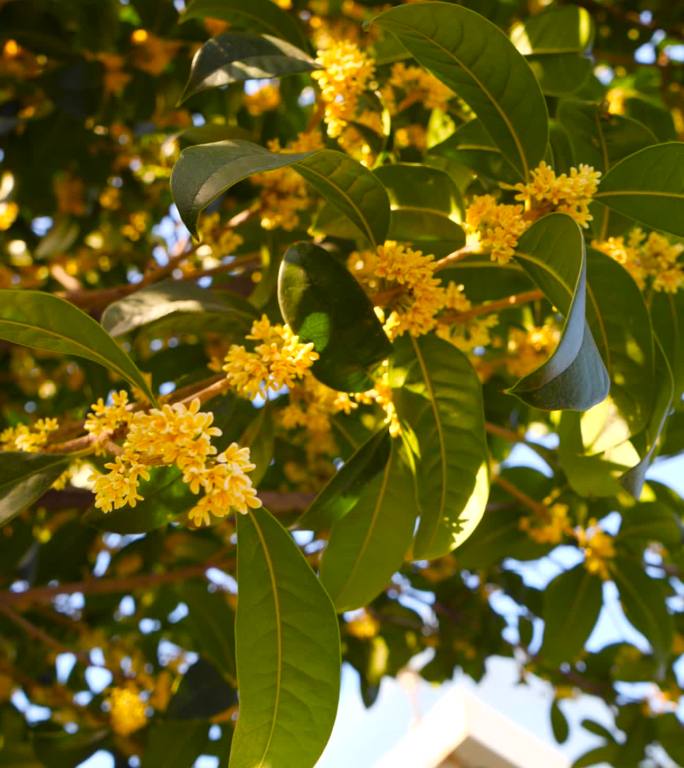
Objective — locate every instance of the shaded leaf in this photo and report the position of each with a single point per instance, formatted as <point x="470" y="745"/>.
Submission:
<point x="24" y="478"/>
<point x="478" y="62"/>
<point x="343" y="490"/>
<point x="175" y="743"/>
<point x="574" y="377"/>
<point x="202" y="693"/>
<point x="559" y="723"/>
<point x="650" y="521"/>
<point x="323" y="304"/>
<point x="369" y="543"/>
<point x="232" y="57"/>
<point x="205" y="171"/>
<point x="42" y="321"/>
<point x="572" y="602"/>
<point x="441" y="401"/>
<point x="288" y="652"/>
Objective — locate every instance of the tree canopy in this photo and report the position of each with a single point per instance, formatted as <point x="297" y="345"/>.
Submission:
<point x="324" y="325"/>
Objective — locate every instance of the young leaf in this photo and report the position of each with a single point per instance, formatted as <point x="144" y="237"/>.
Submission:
<point x="370" y="542"/>
<point x="572" y="602"/>
<point x="574" y="377"/>
<point x="256" y="15"/>
<point x="24" y="478"/>
<point x="42" y="321"/>
<point x="648" y="186"/>
<point x="479" y="63"/>
<point x="323" y="304"/>
<point x="344" y="488"/>
<point x="222" y="308"/>
<point x="441" y="402"/>
<point x="643" y="601"/>
<point x="231" y="58"/>
<point x="288" y="651"/>
<point x="205" y="171"/>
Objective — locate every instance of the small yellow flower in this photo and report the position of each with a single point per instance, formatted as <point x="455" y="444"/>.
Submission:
<point x="127" y="710"/>
<point x="550" y="530"/>
<point x="497" y="226"/>
<point x="264" y="99"/>
<point x="28" y="438"/>
<point x="104" y="419"/>
<point x="414" y="84"/>
<point x="528" y="348"/>
<point x="8" y="214"/>
<point x="598" y="549"/>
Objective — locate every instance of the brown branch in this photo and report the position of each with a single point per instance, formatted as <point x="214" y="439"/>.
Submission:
<point x="527" y="501"/>
<point x="36" y="633"/>
<point x="493" y="306"/>
<point x="506" y="434"/>
<point x="452" y="258"/>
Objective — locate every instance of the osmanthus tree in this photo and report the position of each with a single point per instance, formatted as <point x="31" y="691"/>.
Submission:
<point x="246" y="442"/>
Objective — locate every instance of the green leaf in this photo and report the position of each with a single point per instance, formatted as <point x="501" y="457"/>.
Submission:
<point x="441" y="402"/>
<point x="256" y="15"/>
<point x="221" y="308"/>
<point x="175" y="743"/>
<point x="648" y="186"/>
<point x="231" y="58"/>
<point x="288" y="651"/>
<point x="478" y="62"/>
<point x="202" y="693"/>
<point x="24" y="478"/>
<point x="370" y="542"/>
<point x="604" y="755"/>
<point x="42" y="321"/>
<point x="567" y="29"/>
<point x="210" y="621"/>
<point x="643" y="601"/>
<point x="343" y="490"/>
<point x="633" y="479"/>
<point x="205" y="171"/>
<point x="667" y="316"/>
<point x="165" y="499"/>
<point x="559" y="723"/>
<point x="574" y="377"/>
<point x="650" y="521"/>
<point x="560" y="74"/>
<point x="259" y="437"/>
<point x="425" y="206"/>
<point x="323" y="304"/>
<point x="58" y="749"/>
<point x="572" y="603"/>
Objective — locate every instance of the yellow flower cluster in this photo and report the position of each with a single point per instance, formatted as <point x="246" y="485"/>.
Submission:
<point x="550" y="530"/>
<point x="496" y="227"/>
<point x="413" y="135"/>
<point x="571" y="194"/>
<point x="222" y="240"/>
<point x="647" y="258"/>
<point x="529" y="348"/>
<point x="104" y="420"/>
<point x="598" y="549"/>
<point x="415" y="84"/>
<point x="345" y="73"/>
<point x="28" y="438"/>
<point x="264" y="99"/>
<point x="127" y="711"/>
<point x="175" y="435"/>
<point x="277" y="361"/>
<point x="284" y="193"/>
<point x="417" y="294"/>
<point x="468" y="333"/>
<point x="355" y="143"/>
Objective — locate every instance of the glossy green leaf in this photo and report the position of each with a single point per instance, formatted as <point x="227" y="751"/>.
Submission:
<point x="288" y="652"/>
<point x="441" y="402"/>
<point x="175" y="743"/>
<point x="559" y="723"/>
<point x="343" y="490"/>
<point x="254" y="15"/>
<point x="478" y="62"/>
<point x="232" y="57"/>
<point x="259" y="437"/>
<point x="323" y="304"/>
<point x="667" y="316"/>
<point x="574" y="377"/>
<point x="425" y="205"/>
<point x="210" y="621"/>
<point x="370" y="542"/>
<point x="648" y="187"/>
<point x="205" y="171"/>
<point x="560" y="74"/>
<point x="565" y="29"/>
<point x="643" y="601"/>
<point x="43" y="321"/>
<point x="572" y="602"/>
<point x="221" y="309"/>
<point x="24" y="478"/>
